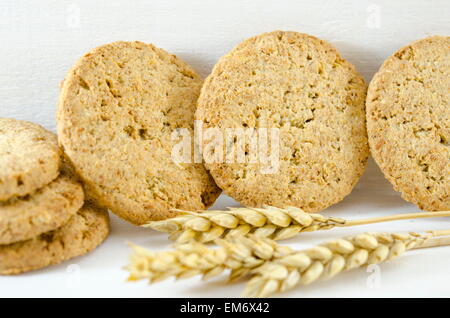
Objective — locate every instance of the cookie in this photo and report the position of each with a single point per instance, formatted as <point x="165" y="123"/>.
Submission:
<point x="299" y="86"/>
<point x="408" y="122"/>
<point x="29" y="158"/>
<point x="119" y="107"/>
<point x="85" y="230"/>
<point x="44" y="210"/>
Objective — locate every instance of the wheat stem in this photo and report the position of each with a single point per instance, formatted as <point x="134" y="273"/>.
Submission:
<point x="438" y="238"/>
<point x="270" y="222"/>
<point x="397" y="217"/>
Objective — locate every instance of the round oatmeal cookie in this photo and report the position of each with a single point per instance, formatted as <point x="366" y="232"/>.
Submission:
<point x="29" y="158"/>
<point x="44" y="210"/>
<point x="297" y="91"/>
<point x="118" y="112"/>
<point x="408" y="122"/>
<point x="85" y="230"/>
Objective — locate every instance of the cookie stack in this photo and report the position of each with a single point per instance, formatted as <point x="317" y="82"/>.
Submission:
<point x="43" y="217"/>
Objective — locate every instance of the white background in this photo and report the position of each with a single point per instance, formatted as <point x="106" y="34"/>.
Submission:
<point x="40" y="40"/>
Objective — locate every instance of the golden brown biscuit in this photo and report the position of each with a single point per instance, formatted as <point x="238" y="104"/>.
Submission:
<point x="84" y="232"/>
<point x="408" y="122"/>
<point x="44" y="210"/>
<point x="29" y="158"/>
<point x="301" y="86"/>
<point x="118" y="108"/>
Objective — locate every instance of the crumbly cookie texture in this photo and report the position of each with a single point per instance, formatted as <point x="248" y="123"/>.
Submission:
<point x="29" y="158"/>
<point x="302" y="86"/>
<point x="84" y="232"/>
<point x="44" y="210"/>
<point x="408" y="121"/>
<point x="118" y="108"/>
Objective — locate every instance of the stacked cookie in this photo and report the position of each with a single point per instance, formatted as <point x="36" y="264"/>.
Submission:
<point x="43" y="217"/>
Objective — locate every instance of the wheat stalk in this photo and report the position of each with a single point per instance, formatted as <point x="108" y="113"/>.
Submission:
<point x="274" y="267"/>
<point x="329" y="259"/>
<point x="270" y="222"/>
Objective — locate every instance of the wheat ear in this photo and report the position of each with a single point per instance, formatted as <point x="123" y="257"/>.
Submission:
<point x="270" y="222"/>
<point x="236" y="253"/>
<point x="275" y="267"/>
<point x="330" y="258"/>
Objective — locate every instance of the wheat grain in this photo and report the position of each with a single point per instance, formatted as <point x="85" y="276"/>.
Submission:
<point x="270" y="222"/>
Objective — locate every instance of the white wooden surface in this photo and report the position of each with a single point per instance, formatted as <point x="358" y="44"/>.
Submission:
<point x="40" y="40"/>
